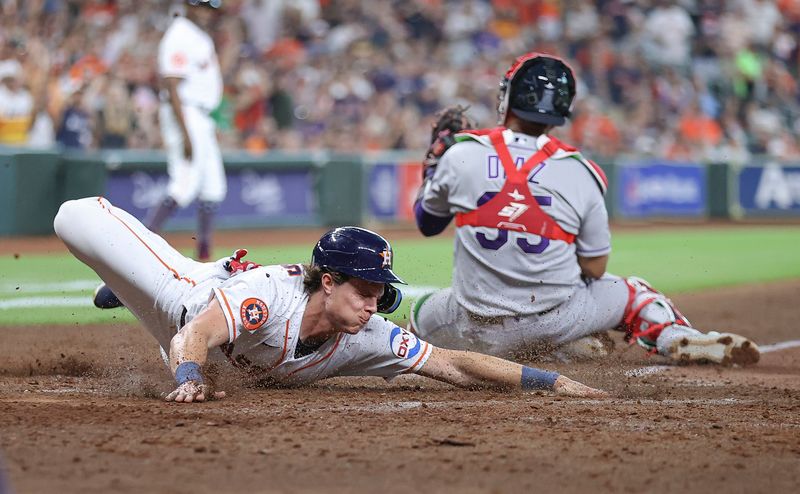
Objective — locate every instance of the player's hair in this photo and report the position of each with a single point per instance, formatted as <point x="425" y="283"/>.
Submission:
<point x="312" y="277"/>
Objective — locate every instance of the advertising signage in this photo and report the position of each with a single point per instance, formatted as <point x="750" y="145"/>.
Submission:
<point x="661" y="189"/>
<point x="255" y="198"/>
<point x="769" y="189"/>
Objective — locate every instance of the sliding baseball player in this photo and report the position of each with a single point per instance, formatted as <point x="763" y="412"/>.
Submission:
<point x="293" y="324"/>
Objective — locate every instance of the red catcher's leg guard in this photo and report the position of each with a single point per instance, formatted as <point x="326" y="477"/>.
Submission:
<point x="647" y="313"/>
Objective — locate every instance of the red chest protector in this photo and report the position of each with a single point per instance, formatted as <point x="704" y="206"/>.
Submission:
<point x="514" y="208"/>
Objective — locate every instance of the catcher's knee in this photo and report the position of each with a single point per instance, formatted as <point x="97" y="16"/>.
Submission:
<point x="647" y="313"/>
<point x="426" y="316"/>
<point x="413" y="314"/>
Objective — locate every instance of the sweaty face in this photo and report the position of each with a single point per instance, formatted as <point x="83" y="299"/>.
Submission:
<point x="350" y="305"/>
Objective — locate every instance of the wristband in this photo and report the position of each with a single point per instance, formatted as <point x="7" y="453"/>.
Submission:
<point x="537" y="379"/>
<point x="188" y="371"/>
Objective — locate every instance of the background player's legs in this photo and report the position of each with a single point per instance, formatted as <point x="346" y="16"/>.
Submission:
<point x="205" y="217"/>
<point x="161" y="214"/>
<point x="213" y="184"/>
<point x="133" y="261"/>
<point x="184" y="176"/>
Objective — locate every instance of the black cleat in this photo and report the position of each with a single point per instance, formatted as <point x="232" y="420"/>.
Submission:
<point x="104" y="298"/>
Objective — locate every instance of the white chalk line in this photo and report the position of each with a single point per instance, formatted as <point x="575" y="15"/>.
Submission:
<point x="38" y="287"/>
<point x="46" y="302"/>
<point x="646" y="371"/>
<point x="779" y="346"/>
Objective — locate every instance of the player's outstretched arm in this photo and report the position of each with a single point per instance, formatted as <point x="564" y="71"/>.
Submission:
<point x="475" y="370"/>
<point x="188" y="352"/>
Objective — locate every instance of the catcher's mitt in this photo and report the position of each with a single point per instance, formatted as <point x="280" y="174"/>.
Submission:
<point x="449" y="122"/>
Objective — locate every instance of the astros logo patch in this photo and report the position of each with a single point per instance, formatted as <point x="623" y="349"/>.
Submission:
<point x="387" y="258"/>
<point x="254" y="314"/>
<point x="403" y="343"/>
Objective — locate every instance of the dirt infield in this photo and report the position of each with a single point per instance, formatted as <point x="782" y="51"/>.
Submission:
<point x="79" y="412"/>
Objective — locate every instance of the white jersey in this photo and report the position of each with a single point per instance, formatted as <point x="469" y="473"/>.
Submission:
<point x="187" y="52"/>
<point x="263" y="307"/>
<point x="508" y="273"/>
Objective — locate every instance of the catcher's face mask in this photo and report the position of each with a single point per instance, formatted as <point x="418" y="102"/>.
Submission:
<point x="537" y="88"/>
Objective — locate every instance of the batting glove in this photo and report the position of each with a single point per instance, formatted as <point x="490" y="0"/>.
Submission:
<point x="236" y="264"/>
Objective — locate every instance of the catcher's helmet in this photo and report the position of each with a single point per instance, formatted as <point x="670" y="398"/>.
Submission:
<point x="214" y="4"/>
<point x="537" y="88"/>
<point x="363" y="254"/>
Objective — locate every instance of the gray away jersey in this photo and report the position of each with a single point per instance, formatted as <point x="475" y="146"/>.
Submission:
<point x="505" y="273"/>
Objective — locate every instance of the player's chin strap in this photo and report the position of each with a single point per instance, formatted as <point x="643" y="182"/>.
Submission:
<point x="647" y="314"/>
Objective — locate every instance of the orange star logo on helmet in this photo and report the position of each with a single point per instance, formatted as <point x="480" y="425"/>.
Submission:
<point x="254" y="313"/>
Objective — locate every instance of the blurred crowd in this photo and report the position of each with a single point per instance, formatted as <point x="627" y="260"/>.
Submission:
<point x="691" y="79"/>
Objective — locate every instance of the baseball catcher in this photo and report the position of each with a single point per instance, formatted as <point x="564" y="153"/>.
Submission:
<point x="532" y="237"/>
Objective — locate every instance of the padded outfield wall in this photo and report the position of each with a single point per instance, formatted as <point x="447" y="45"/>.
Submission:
<point x="321" y="189"/>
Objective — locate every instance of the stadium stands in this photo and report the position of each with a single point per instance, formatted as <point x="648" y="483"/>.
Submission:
<point x="702" y="79"/>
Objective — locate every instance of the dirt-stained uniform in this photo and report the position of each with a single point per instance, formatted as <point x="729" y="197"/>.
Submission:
<point x="263" y="307"/>
<point x="512" y="288"/>
<point x="532" y="238"/>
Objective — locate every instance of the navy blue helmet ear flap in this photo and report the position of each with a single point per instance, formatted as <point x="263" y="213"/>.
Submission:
<point x="390" y="301"/>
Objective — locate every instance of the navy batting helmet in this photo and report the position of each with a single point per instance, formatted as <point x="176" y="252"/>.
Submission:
<point x="537" y="88"/>
<point x="363" y="254"/>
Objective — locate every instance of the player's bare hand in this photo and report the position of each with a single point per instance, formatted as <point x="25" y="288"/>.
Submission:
<point x="565" y="386"/>
<point x="187" y="148"/>
<point x="191" y="391"/>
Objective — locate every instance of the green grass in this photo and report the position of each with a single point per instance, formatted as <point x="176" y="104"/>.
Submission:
<point x="674" y="260"/>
